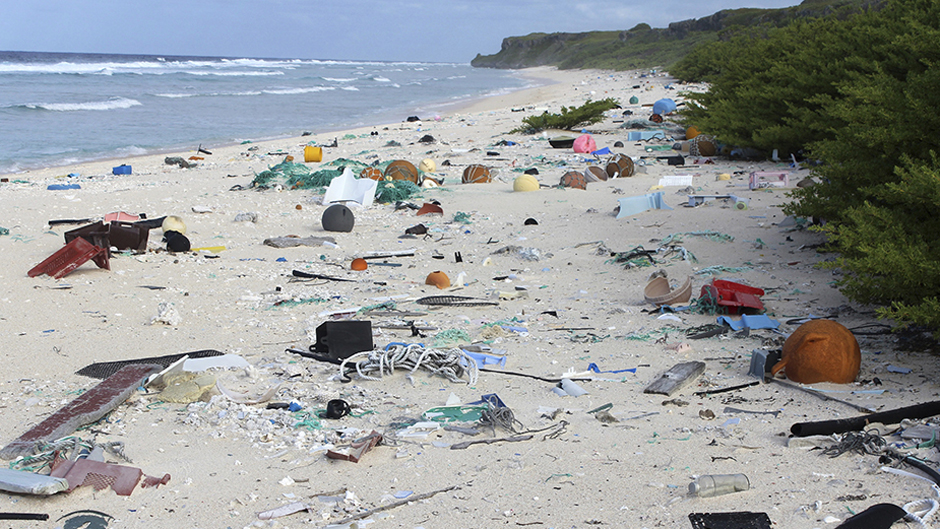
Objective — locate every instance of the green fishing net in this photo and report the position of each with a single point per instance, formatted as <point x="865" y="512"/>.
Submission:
<point x="293" y="176"/>
<point x="395" y="191"/>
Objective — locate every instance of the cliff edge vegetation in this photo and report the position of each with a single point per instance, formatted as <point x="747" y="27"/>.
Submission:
<point x="646" y="47"/>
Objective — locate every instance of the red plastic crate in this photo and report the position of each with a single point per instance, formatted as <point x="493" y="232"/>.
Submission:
<point x="734" y="297"/>
<point x="70" y="257"/>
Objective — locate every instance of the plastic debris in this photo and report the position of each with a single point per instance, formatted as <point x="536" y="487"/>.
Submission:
<point x="638" y="204"/>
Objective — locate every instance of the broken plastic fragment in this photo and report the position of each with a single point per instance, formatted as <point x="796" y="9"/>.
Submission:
<point x="567" y="388"/>
<point x="358" y="449"/>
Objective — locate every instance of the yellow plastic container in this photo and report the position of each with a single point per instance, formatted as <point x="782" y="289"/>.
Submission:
<point x="313" y="154"/>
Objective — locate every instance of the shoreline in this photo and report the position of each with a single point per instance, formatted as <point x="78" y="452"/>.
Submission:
<point x="470" y="104"/>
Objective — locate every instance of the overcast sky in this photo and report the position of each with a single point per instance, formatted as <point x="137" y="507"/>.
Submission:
<point x="403" y="30"/>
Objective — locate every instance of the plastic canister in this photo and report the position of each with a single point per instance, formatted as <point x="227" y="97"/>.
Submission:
<point x="718" y="484"/>
<point x="313" y="154"/>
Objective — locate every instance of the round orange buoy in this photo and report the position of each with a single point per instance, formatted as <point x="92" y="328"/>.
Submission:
<point x="595" y="173"/>
<point x="620" y="166"/>
<point x="476" y="174"/>
<point x="298" y="207"/>
<point x="359" y="264"/>
<point x="372" y="173"/>
<point x="573" y="179"/>
<point x="438" y="279"/>
<point x="703" y="145"/>
<point x="402" y="170"/>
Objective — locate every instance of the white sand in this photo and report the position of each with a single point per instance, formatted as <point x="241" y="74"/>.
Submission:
<point x="228" y="462"/>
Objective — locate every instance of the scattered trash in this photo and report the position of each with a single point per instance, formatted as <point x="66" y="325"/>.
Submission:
<point x="452" y="364"/>
<point x="341" y="339"/>
<point x="69" y="257"/>
<point x="438" y="279"/>
<point x="338" y="218"/>
<point x="99" y="475"/>
<point x="820" y="351"/>
<point x="676" y="378"/>
<point x="747" y="321"/>
<point x="246" y="217"/>
<point x="730" y="520"/>
<point x="348" y="188"/>
<point x="738" y="202"/>
<point x="293" y="242"/>
<point x="167" y="315"/>
<point x="357" y="449"/>
<point x="177" y="160"/>
<point x="22" y="482"/>
<point x="732" y="297"/>
<point x="717" y="484"/>
<point x="766" y="179"/>
<point x="658" y="292"/>
<point x="567" y="388"/>
<point x="524" y="183"/>
<point x="87" y="408"/>
<point x="638" y="204"/>
<point x="430" y="209"/>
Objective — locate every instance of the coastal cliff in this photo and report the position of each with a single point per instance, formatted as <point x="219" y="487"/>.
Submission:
<point x="644" y="46"/>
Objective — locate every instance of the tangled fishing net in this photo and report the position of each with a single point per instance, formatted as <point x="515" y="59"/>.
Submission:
<point x="395" y="191"/>
<point x="294" y="176"/>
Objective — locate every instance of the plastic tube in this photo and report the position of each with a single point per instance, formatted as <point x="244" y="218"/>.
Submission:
<point x="918" y="411"/>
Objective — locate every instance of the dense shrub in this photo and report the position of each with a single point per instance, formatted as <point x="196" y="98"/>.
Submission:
<point x="586" y="114"/>
<point x="860" y="95"/>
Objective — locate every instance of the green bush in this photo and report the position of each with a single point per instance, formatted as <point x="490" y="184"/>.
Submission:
<point x="859" y="94"/>
<point x="586" y="114"/>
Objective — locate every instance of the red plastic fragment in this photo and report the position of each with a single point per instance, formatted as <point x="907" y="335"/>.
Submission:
<point x="87" y="408"/>
<point x="70" y="257"/>
<point x="153" y="481"/>
<point x="97" y="474"/>
<point x="734" y="297"/>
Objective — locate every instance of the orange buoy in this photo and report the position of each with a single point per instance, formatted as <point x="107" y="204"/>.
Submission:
<point x="359" y="264"/>
<point x="620" y="166"/>
<point x="820" y="351"/>
<point x="402" y="170"/>
<point x="372" y="173"/>
<point x="438" y="279"/>
<point x="476" y="174"/>
<point x="573" y="179"/>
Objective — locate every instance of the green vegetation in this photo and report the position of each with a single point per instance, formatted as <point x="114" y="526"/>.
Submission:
<point x="586" y="114"/>
<point x="646" y="47"/>
<point x="858" y="94"/>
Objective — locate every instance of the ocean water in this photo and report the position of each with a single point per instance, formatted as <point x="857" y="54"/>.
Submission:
<point x="57" y="109"/>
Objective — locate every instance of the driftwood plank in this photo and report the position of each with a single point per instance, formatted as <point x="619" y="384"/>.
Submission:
<point x="678" y="376"/>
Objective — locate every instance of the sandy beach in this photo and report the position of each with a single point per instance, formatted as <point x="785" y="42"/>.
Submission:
<point x="571" y="307"/>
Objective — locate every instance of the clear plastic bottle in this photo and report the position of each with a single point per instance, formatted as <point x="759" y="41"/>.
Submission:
<point x="718" y="484"/>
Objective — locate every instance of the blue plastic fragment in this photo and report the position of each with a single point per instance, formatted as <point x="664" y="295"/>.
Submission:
<point x="62" y="187"/>
<point x="638" y="204"/>
<point x="493" y="399"/>
<point x="281" y="260"/>
<point x="598" y="152"/>
<point x="896" y="369"/>
<point x="748" y="321"/>
<point x="593" y="367"/>
<point x="483" y="359"/>
<point x="295" y="407"/>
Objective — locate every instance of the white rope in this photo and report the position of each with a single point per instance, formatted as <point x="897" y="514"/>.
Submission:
<point x="921" y="510"/>
<point x="452" y="364"/>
